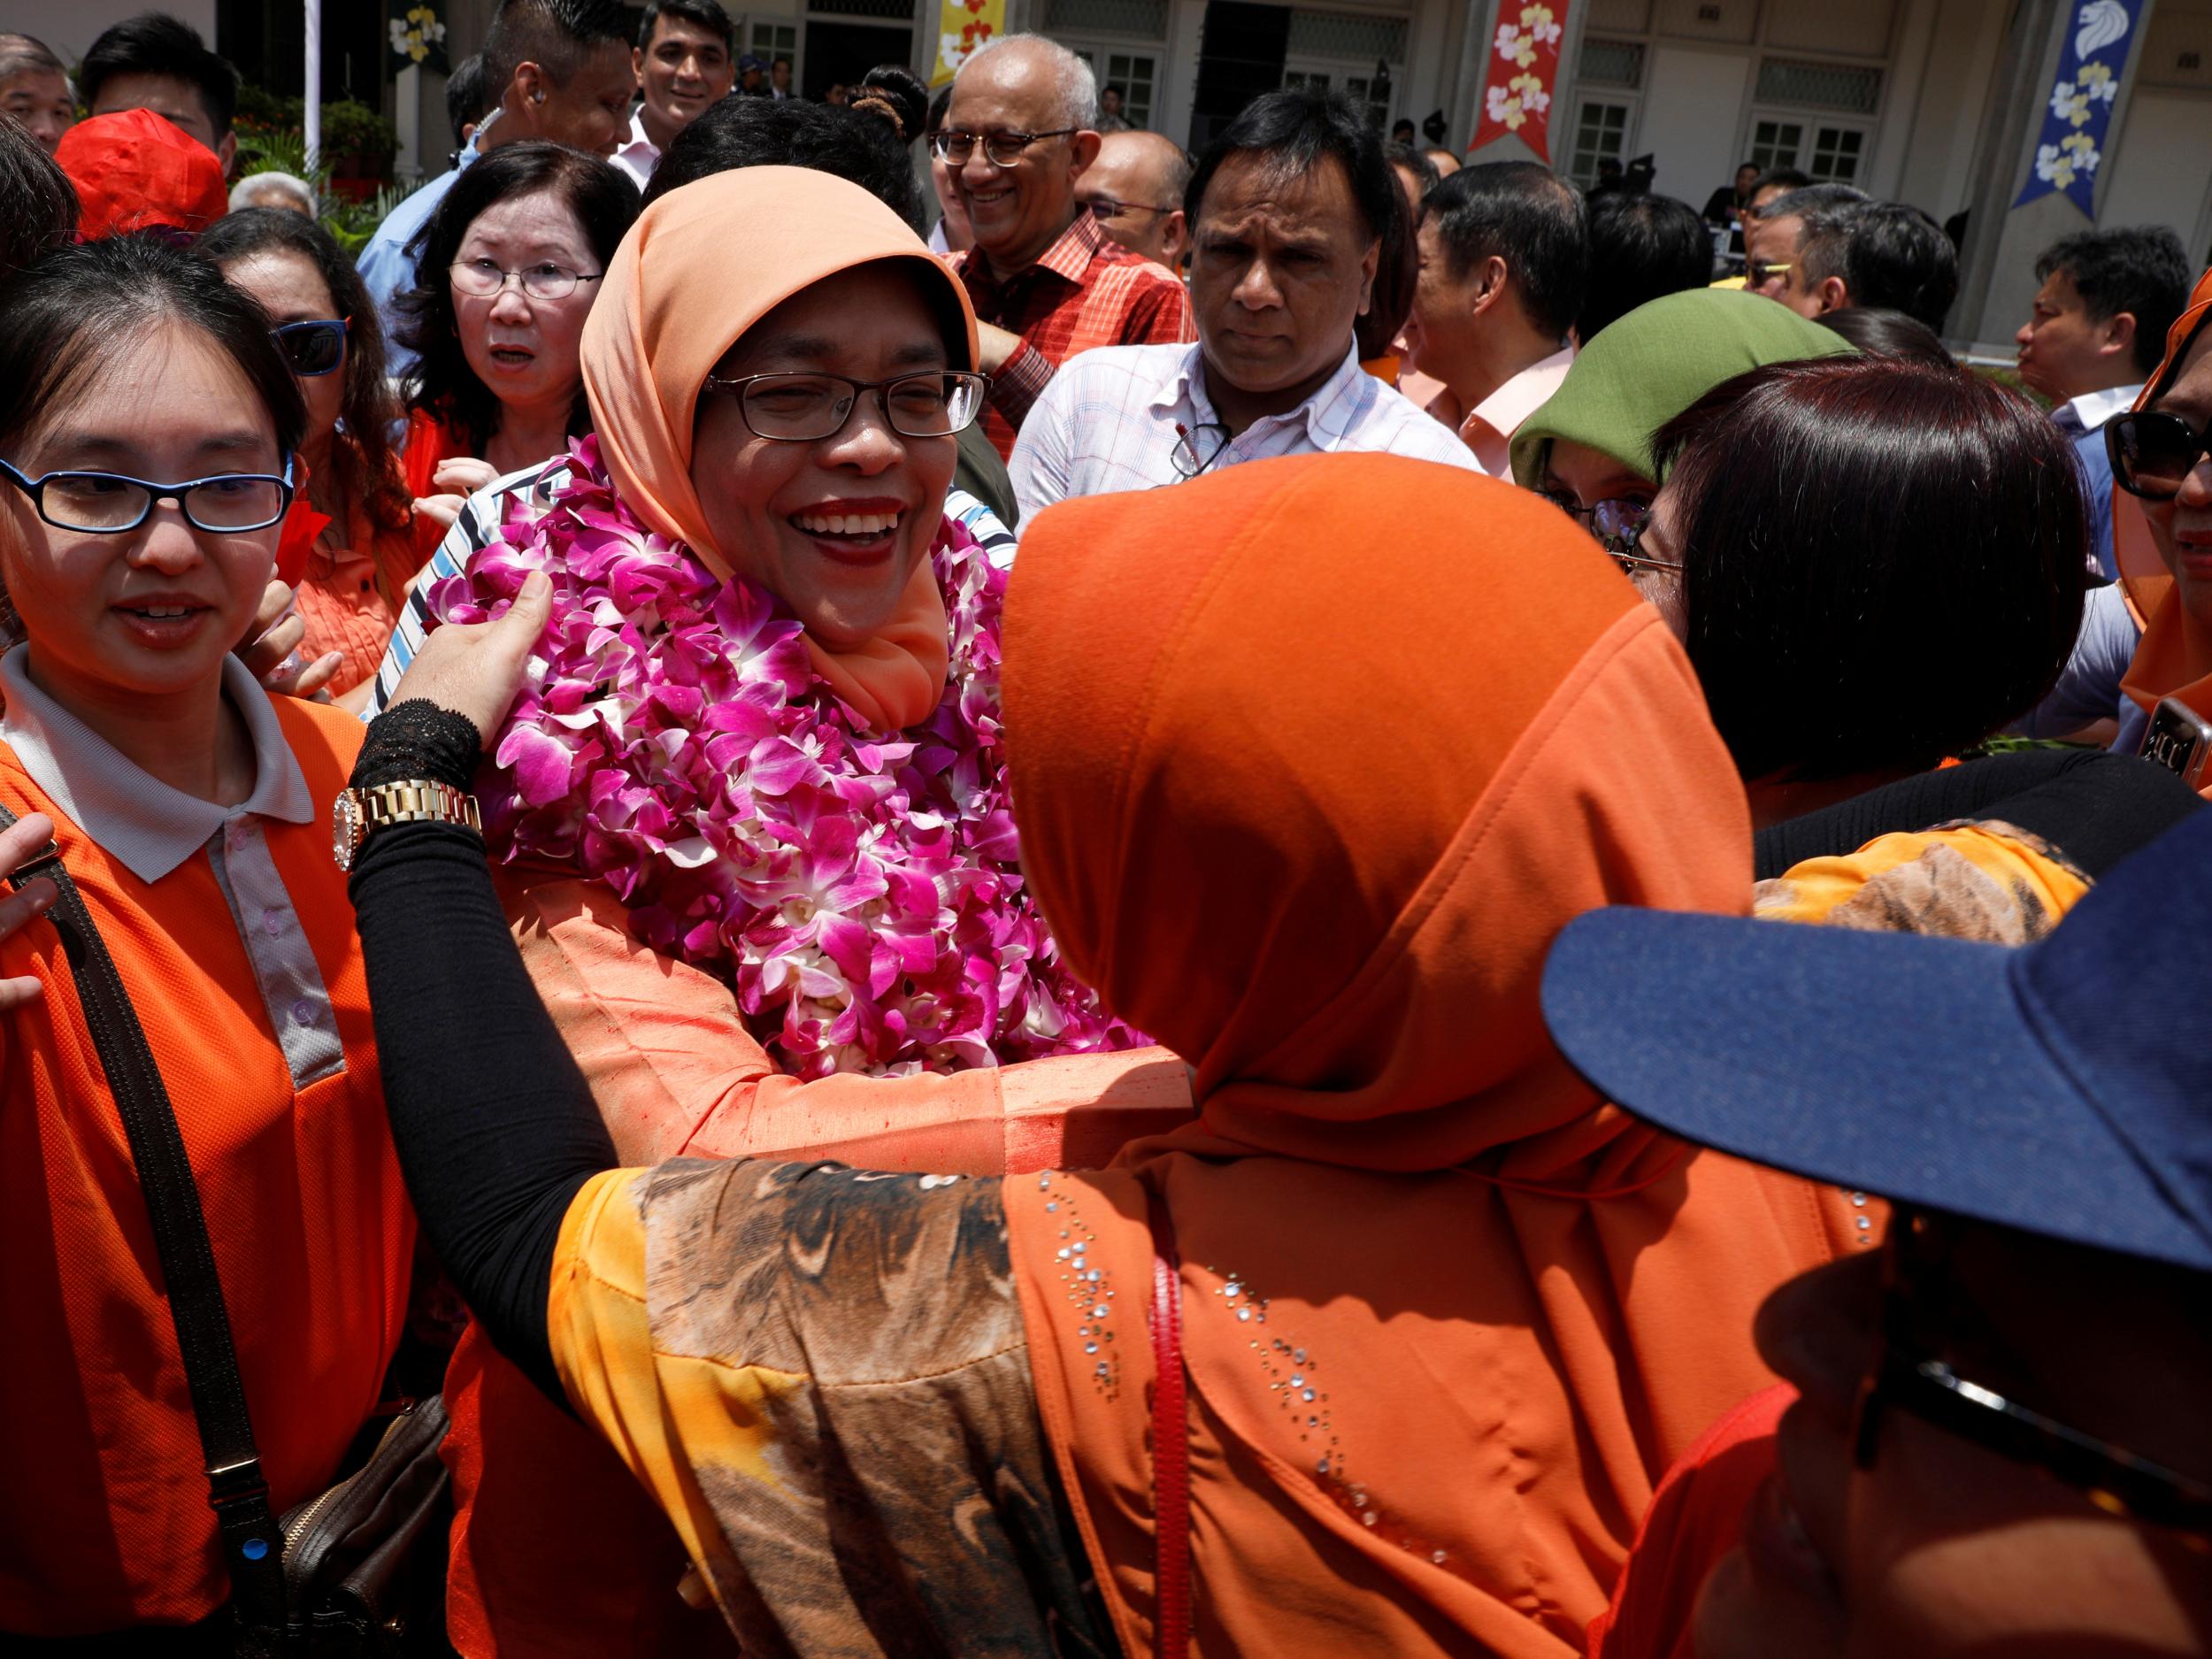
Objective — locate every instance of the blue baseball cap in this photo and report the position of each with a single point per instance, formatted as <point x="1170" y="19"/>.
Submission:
<point x="746" y="61"/>
<point x="2063" y="1088"/>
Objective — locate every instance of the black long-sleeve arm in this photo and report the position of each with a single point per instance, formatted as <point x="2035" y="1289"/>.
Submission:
<point x="2094" y="806"/>
<point x="495" y="1125"/>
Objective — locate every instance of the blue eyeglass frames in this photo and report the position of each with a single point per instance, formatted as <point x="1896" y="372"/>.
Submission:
<point x="110" y="504"/>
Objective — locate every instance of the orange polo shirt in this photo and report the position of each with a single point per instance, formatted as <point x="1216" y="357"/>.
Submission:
<point x="232" y="930"/>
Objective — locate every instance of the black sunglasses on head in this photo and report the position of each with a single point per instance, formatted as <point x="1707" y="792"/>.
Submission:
<point x="314" y="347"/>
<point x="2153" y="453"/>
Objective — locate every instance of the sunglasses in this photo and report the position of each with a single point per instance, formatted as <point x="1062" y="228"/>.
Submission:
<point x="313" y="348"/>
<point x="1916" y="1298"/>
<point x="2154" y="453"/>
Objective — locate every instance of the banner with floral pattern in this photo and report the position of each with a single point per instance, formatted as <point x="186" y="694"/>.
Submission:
<point x="1524" y="65"/>
<point x="962" y="26"/>
<point x="418" y="35"/>
<point x="2071" y="146"/>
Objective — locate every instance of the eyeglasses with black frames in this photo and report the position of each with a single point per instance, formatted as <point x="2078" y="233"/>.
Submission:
<point x="544" y="280"/>
<point x="2153" y="452"/>
<point x="1000" y="150"/>
<point x="314" y="347"/>
<point x="1906" y="1377"/>
<point x="1198" y="448"/>
<point x="807" y="408"/>
<point x="110" y="504"/>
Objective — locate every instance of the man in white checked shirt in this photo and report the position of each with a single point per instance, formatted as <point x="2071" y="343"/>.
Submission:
<point x="1289" y="208"/>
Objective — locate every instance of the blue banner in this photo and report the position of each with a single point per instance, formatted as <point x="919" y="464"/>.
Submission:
<point x="2070" y="150"/>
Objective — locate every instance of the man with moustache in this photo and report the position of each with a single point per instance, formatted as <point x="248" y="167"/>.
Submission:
<point x="1046" y="281"/>
<point x="684" y="65"/>
<point x="1289" y="207"/>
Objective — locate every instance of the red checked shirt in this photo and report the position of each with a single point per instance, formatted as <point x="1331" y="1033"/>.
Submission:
<point x="1086" y="291"/>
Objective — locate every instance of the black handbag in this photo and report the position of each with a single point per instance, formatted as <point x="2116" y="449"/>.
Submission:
<point x="357" y="1571"/>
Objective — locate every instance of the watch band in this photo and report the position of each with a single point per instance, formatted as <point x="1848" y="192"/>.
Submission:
<point x="358" y="814"/>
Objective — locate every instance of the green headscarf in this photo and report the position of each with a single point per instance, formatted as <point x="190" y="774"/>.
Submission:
<point x="1650" y="365"/>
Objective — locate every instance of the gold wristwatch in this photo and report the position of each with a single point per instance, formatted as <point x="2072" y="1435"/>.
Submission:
<point x="358" y="814"/>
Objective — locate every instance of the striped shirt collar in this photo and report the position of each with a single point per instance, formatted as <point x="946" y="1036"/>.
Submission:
<point x="1328" y="415"/>
<point x="1069" y="258"/>
<point x="140" y="821"/>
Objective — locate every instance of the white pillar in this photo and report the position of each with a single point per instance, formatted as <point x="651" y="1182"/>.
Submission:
<point x="407" y="121"/>
<point x="312" y="99"/>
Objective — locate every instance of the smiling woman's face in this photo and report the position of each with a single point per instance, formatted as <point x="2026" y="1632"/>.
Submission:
<point x="116" y="619"/>
<point x="528" y="351"/>
<point x="835" y="526"/>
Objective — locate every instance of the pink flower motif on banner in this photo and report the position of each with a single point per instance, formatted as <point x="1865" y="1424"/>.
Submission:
<point x="860" y="894"/>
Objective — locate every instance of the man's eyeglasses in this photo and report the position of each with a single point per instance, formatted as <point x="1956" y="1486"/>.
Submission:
<point x="1617" y="524"/>
<point x="109" y="503"/>
<point x="1768" y="272"/>
<point x="544" y="280"/>
<point x="1198" y="448"/>
<point x="807" y="408"/>
<point x="1905" y="1378"/>
<point x="1000" y="150"/>
<point x="1115" y="210"/>
<point x="313" y="348"/>
<point x="2154" y="453"/>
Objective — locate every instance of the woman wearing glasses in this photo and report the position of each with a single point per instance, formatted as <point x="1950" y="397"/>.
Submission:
<point x="353" y="535"/>
<point x="753" y="815"/>
<point x="148" y="427"/>
<point x="2161" y="455"/>
<point x="511" y="266"/>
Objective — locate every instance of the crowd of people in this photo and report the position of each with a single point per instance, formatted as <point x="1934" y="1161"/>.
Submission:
<point x="701" y="810"/>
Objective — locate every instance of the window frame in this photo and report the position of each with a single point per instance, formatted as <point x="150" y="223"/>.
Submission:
<point x="1609" y="97"/>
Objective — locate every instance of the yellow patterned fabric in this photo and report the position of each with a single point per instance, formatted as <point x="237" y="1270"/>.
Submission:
<point x="829" y="1395"/>
<point x="1988" y="881"/>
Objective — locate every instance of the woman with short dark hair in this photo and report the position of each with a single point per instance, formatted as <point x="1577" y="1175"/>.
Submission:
<point x="349" y="550"/>
<point x="1846" y="519"/>
<point x="1825" y="529"/>
<point x="148" y="430"/>
<point x="508" y="268"/>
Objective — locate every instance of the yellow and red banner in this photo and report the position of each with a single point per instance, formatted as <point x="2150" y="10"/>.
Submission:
<point x="962" y="26"/>
<point x="1524" y="66"/>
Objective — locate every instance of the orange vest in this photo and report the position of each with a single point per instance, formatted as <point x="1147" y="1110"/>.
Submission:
<point x="104" y="1515"/>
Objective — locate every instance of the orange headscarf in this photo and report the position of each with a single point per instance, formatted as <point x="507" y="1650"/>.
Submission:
<point x="135" y="171"/>
<point x="1447" y="1316"/>
<point x="2174" y="659"/>
<point x="701" y="266"/>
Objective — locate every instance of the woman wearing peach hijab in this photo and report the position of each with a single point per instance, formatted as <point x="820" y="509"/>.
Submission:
<point x="1430" y="1317"/>
<point x="2162" y="528"/>
<point x="751" y="810"/>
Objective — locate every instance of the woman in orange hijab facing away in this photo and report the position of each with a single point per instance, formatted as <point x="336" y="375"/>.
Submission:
<point x="751" y="813"/>
<point x="2164" y="536"/>
<point x="1439" y="1316"/>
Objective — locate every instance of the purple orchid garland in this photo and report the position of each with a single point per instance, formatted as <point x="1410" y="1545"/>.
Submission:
<point x="863" y="896"/>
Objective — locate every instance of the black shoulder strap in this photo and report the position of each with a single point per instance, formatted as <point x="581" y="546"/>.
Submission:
<point x="252" y="1547"/>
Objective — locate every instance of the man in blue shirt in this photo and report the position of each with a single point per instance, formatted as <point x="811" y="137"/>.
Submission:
<point x="2099" y="325"/>
<point x="562" y="71"/>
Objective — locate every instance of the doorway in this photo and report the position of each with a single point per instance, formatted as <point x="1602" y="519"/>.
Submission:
<point x="843" y="53"/>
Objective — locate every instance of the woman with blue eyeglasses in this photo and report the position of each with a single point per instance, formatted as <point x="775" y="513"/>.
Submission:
<point x="149" y="425"/>
<point x="349" y="548"/>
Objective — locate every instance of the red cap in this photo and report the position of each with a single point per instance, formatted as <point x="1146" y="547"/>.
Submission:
<point x="135" y="171"/>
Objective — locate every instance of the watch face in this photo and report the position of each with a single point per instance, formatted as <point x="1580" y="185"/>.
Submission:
<point x="345" y="828"/>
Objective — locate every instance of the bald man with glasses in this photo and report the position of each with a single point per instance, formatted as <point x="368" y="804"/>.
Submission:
<point x="1046" y="279"/>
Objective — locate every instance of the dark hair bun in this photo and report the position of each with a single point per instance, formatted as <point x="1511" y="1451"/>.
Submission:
<point x="896" y="94"/>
